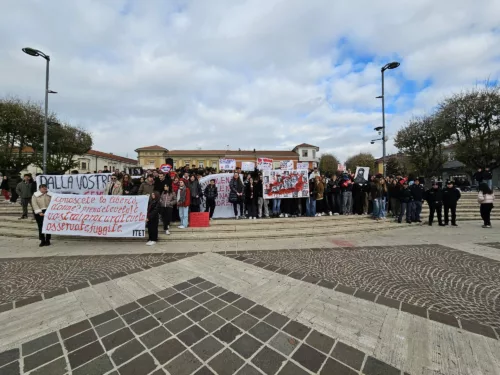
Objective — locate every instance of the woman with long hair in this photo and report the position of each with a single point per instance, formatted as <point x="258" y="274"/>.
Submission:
<point x="167" y="202"/>
<point x="485" y="198"/>
<point x="236" y="194"/>
<point x="127" y="184"/>
<point x="153" y="218"/>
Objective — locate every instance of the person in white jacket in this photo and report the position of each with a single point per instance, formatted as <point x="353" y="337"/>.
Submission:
<point x="485" y="198"/>
<point x="40" y="202"/>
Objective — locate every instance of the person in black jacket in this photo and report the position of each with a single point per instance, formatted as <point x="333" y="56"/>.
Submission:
<point x="236" y="194"/>
<point x="417" y="192"/>
<point x="488" y="178"/>
<point x="406" y="199"/>
<point x="211" y="195"/>
<point x="153" y="218"/>
<point x="478" y="176"/>
<point x="251" y="198"/>
<point x="451" y="195"/>
<point x="434" y="198"/>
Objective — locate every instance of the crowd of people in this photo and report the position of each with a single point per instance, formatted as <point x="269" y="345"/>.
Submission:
<point x="175" y="194"/>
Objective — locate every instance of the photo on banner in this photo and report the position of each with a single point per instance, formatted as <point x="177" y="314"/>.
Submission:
<point x="227" y="164"/>
<point x="281" y="184"/>
<point x="303" y="165"/>
<point x="361" y="175"/>
<point x="264" y="164"/>
<point x="248" y="166"/>
<point x="84" y="184"/>
<point x="96" y="216"/>
<point x="286" y="165"/>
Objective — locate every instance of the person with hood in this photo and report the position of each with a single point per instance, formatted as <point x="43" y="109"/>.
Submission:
<point x="451" y="195"/>
<point x="405" y="198"/>
<point x="251" y="198"/>
<point x="485" y="198"/>
<point x="40" y="202"/>
<point x="183" y="203"/>
<point x="434" y="198"/>
<point x="211" y="195"/>
<point x="236" y="194"/>
<point x="4" y="186"/>
<point x="196" y="193"/>
<point x="153" y="218"/>
<point x="168" y="200"/>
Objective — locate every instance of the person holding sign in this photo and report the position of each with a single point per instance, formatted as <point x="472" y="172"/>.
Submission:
<point x="153" y="218"/>
<point x="40" y="201"/>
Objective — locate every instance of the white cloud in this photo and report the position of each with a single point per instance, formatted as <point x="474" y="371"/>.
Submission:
<point x="249" y="74"/>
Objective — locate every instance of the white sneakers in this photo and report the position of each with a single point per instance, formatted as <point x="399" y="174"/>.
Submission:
<point x="181" y="227"/>
<point x="150" y="243"/>
<point x="237" y="218"/>
<point x="330" y="213"/>
<point x="282" y="215"/>
<point x="167" y="232"/>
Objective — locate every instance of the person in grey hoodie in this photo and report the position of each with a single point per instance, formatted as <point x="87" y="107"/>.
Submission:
<point x="25" y="191"/>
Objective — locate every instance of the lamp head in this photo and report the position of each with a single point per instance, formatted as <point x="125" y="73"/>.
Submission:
<point x="372" y="142"/>
<point x="391" y="65"/>
<point x="378" y="128"/>
<point x="31" y="51"/>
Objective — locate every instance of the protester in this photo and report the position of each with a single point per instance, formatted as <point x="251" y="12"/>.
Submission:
<point x="40" y="202"/>
<point x="4" y="186"/>
<point x="147" y="187"/>
<point x="406" y="199"/>
<point x="161" y="181"/>
<point x="167" y="202"/>
<point x="488" y="177"/>
<point x="153" y="219"/>
<point x="211" y="195"/>
<point x="451" y="195"/>
<point x="320" y="191"/>
<point x="417" y="192"/>
<point x="196" y="194"/>
<point x="262" y="204"/>
<point x="485" y="197"/>
<point x="183" y="202"/>
<point x="395" y="204"/>
<point x="127" y="185"/>
<point x="251" y="198"/>
<point x="236" y="195"/>
<point x="434" y="198"/>
<point x="24" y="190"/>
<point x="114" y="187"/>
<point x="346" y="189"/>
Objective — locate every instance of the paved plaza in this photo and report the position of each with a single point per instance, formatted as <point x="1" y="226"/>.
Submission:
<point x="417" y="300"/>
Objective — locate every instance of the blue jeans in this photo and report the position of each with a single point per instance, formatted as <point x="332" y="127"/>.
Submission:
<point x="376" y="208"/>
<point x="489" y="183"/>
<point x="381" y="210"/>
<point x="276" y="206"/>
<point x="311" y="207"/>
<point x="184" y="215"/>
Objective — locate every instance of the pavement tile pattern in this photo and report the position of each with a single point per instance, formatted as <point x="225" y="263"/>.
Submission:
<point x="195" y="327"/>
<point x="27" y="280"/>
<point x="431" y="281"/>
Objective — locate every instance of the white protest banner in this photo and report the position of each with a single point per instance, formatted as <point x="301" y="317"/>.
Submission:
<point x="92" y="216"/>
<point x="227" y="164"/>
<point x="264" y="164"/>
<point x="285" y="184"/>
<point x="85" y="184"/>
<point x="248" y="166"/>
<point x="286" y="165"/>
<point x="223" y="208"/>
<point x="303" y="165"/>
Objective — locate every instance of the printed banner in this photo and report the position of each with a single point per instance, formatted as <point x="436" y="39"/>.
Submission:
<point x="286" y="165"/>
<point x="91" y="216"/>
<point x="248" y="166"/>
<point x="362" y="175"/>
<point x="165" y="168"/>
<point x="303" y="165"/>
<point x="84" y="184"/>
<point x="223" y="208"/>
<point x="286" y="184"/>
<point x="227" y="164"/>
<point x="264" y="164"/>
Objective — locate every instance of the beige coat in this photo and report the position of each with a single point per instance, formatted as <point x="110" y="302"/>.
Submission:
<point x="40" y="201"/>
<point x="117" y="189"/>
<point x="485" y="198"/>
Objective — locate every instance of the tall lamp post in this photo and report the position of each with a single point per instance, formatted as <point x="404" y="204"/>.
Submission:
<point x="35" y="52"/>
<point x="392" y="65"/>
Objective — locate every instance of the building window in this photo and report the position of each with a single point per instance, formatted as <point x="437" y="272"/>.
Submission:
<point x="201" y="164"/>
<point x="314" y="154"/>
<point x="304" y="153"/>
<point x="83" y="165"/>
<point x="151" y="162"/>
<point x="186" y="163"/>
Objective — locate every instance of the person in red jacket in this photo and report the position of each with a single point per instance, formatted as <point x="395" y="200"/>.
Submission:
<point x="183" y="202"/>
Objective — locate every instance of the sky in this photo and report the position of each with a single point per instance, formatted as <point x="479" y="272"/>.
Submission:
<point x="264" y="74"/>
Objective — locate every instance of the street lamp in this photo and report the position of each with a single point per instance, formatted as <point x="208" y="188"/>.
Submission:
<point x="35" y="52"/>
<point x="391" y="65"/>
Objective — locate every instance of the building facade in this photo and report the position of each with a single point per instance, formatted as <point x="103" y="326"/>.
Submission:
<point x="151" y="157"/>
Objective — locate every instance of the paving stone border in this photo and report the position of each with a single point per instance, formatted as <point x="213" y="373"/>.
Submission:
<point x="163" y="258"/>
<point x="194" y="327"/>
<point x="467" y="325"/>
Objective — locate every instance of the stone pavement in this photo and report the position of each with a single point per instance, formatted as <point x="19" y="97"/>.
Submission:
<point x="414" y="301"/>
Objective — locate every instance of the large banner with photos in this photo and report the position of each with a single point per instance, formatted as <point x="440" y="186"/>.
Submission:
<point x="280" y="184"/>
<point x="96" y="216"/>
<point x="84" y="184"/>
